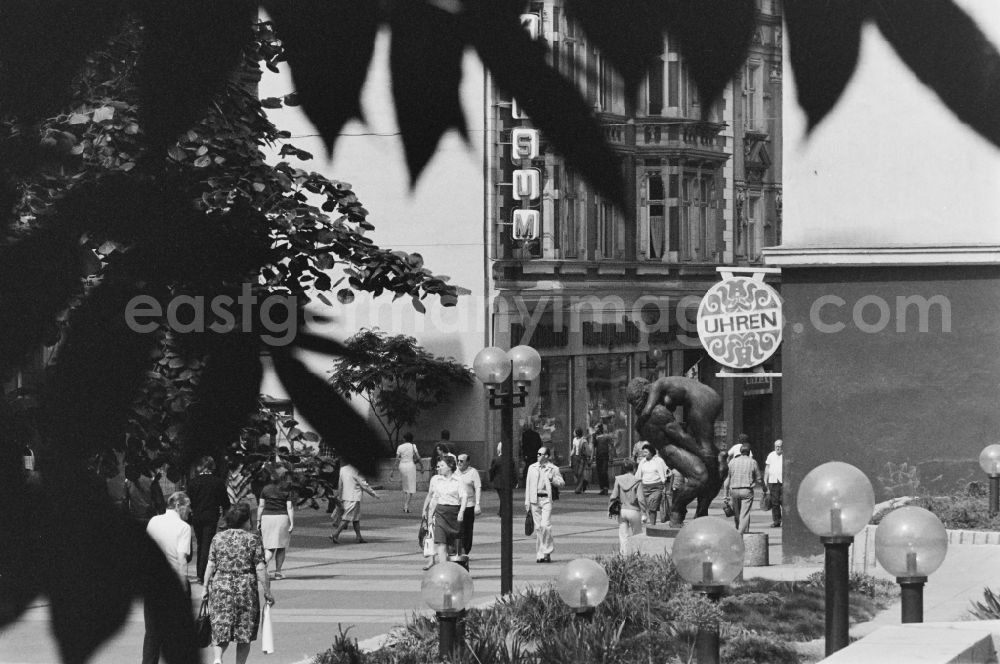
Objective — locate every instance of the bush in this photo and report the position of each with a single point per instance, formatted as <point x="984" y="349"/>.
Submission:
<point x="989" y="608"/>
<point x="966" y="508"/>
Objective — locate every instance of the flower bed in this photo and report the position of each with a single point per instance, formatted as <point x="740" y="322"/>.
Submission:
<point x="650" y="615"/>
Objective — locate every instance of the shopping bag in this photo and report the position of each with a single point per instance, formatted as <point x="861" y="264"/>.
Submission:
<point x="765" y="502"/>
<point x="422" y="532"/>
<point x="266" y="630"/>
<point x="428" y="546"/>
<point x="529" y="524"/>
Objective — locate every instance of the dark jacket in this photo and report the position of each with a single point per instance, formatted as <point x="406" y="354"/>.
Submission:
<point x="208" y="498"/>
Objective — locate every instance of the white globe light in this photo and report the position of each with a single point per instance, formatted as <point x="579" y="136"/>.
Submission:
<point x="989" y="459"/>
<point x="911" y="541"/>
<point x="527" y="363"/>
<point x="446" y="587"/>
<point x="492" y="366"/>
<point x="582" y="583"/>
<point x="835" y="500"/>
<point x="709" y="552"/>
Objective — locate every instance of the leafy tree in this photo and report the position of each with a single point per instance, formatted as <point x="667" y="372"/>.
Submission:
<point x="399" y="379"/>
<point x="137" y="181"/>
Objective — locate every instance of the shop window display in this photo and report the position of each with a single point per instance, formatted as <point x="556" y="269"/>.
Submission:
<point x="607" y="380"/>
<point x="551" y="408"/>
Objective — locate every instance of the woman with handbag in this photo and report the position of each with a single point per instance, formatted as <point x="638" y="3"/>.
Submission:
<point x="408" y="463"/>
<point x="631" y="504"/>
<point x="445" y="502"/>
<point x="235" y="567"/>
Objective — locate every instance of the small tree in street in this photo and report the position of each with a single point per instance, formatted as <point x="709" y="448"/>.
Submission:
<point x="398" y="378"/>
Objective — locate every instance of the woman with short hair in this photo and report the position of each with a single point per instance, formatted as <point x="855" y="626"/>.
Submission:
<point x="236" y="566"/>
<point x="444" y="507"/>
<point x="276" y="519"/>
<point x="408" y="462"/>
<point x="631" y="502"/>
<point x="655" y="476"/>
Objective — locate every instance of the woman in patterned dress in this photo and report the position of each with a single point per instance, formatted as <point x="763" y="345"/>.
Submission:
<point x="235" y="566"/>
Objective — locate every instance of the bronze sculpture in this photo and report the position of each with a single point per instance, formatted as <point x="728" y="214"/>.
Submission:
<point x="689" y="446"/>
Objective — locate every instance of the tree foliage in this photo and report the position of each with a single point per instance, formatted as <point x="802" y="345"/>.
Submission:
<point x="106" y="196"/>
<point x="399" y="379"/>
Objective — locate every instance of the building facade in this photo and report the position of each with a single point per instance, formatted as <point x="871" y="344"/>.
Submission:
<point x="606" y="295"/>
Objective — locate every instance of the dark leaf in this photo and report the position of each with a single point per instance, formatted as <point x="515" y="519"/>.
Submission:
<point x="714" y="36"/>
<point x="97" y="372"/>
<point x="318" y="344"/>
<point x="331" y="416"/>
<point x="554" y="104"/>
<point x="34" y="78"/>
<point x="346" y="295"/>
<point x="823" y="42"/>
<point x="426" y="65"/>
<point x="628" y="33"/>
<point x="226" y="396"/>
<point x="327" y="40"/>
<point x="190" y="48"/>
<point x="949" y="53"/>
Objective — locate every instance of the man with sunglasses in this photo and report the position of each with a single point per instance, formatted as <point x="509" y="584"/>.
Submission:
<point x="541" y="477"/>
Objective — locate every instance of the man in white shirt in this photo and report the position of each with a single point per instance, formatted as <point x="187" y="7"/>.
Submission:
<point x="773" y="467"/>
<point x="541" y="477"/>
<point x="469" y="477"/>
<point x="172" y="534"/>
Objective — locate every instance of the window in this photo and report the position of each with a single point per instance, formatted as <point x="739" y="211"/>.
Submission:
<point x="607" y="381"/>
<point x="551" y="413"/>
<point x="654" y="87"/>
<point x="605" y="89"/>
<point x="751" y="96"/>
<point x="698" y="194"/>
<point x="569" y="61"/>
<point x="673" y="83"/>
<point x="567" y="223"/>
<point x="655" y="206"/>
<point x="607" y="230"/>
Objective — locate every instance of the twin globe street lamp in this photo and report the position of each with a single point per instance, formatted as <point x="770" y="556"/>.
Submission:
<point x="507" y="375"/>
<point x="836" y="501"/>
<point x="708" y="553"/>
<point x="447" y="588"/>
<point x="989" y="461"/>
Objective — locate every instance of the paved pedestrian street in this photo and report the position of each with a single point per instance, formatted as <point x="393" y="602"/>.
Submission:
<point x="368" y="587"/>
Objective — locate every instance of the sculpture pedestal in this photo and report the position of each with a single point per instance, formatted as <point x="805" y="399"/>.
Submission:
<point x="756" y="550"/>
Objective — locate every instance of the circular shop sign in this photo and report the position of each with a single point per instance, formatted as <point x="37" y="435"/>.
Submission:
<point x="739" y="322"/>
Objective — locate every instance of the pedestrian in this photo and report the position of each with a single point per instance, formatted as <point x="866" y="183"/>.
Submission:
<point x="734" y="451"/>
<point x="352" y="487"/>
<point x="168" y="475"/>
<point x="743" y="476"/>
<point x="542" y="476"/>
<point x="236" y="566"/>
<point x="772" y="479"/>
<point x="239" y="482"/>
<point x="602" y="457"/>
<point x="580" y="456"/>
<point x="531" y="442"/>
<point x="209" y="500"/>
<point x="442" y="448"/>
<point x="172" y="534"/>
<point x="652" y="471"/>
<point x="141" y="500"/>
<point x="496" y="475"/>
<point x="444" y="507"/>
<point x="632" y="504"/>
<point x="408" y="463"/>
<point x="675" y="482"/>
<point x="473" y="485"/>
<point x="276" y="519"/>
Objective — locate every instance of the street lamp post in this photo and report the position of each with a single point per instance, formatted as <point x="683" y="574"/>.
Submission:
<point x="513" y="370"/>
<point x="989" y="461"/>
<point x="708" y="554"/>
<point x="583" y="585"/>
<point x="911" y="543"/>
<point x="836" y="501"/>
<point x="447" y="588"/>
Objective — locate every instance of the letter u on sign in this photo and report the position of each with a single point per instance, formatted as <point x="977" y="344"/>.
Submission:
<point x="525" y="224"/>
<point x="527" y="184"/>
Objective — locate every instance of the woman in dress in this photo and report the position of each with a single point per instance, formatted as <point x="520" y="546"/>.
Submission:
<point x="628" y="491"/>
<point x="209" y="500"/>
<point x="235" y="567"/>
<point x="276" y="519"/>
<point x="445" y="504"/>
<point x="408" y="462"/>
<point x="655" y="476"/>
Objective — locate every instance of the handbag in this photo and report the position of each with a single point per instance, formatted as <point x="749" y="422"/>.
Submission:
<point x="529" y="524"/>
<point x="615" y="507"/>
<point x="727" y="509"/>
<point x="266" y="630"/>
<point x="555" y="492"/>
<point x="422" y="532"/>
<point x="765" y="502"/>
<point x="203" y="626"/>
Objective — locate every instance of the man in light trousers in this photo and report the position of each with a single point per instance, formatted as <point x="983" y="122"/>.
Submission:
<point x="743" y="476"/>
<point x="541" y="477"/>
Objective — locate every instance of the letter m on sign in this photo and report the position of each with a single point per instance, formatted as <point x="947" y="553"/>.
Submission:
<point x="525" y="224"/>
